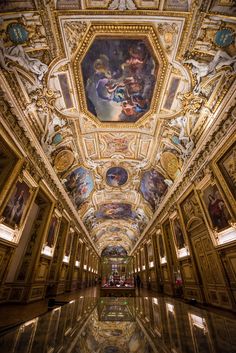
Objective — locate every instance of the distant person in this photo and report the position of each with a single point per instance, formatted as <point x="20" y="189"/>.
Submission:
<point x="138" y="281"/>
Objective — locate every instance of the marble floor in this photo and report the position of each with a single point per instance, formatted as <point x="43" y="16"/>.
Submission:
<point x="89" y="323"/>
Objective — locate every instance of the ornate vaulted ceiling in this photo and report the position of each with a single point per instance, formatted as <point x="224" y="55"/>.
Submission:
<point x="118" y="94"/>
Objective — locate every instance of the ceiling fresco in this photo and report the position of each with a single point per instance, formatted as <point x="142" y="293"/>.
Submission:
<point x="119" y="79"/>
<point x="114" y="251"/>
<point x="118" y="98"/>
<point x="119" y="72"/>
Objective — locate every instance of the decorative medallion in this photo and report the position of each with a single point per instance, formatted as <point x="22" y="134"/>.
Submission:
<point x="64" y="160"/>
<point x="171" y="164"/>
<point x="79" y="185"/>
<point x="121" y="74"/>
<point x="116" y="176"/>
<point x="57" y="138"/>
<point x="224" y="37"/>
<point x="17" y="33"/>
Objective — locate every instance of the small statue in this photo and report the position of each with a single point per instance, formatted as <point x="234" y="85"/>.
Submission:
<point x="17" y="54"/>
<point x="201" y="70"/>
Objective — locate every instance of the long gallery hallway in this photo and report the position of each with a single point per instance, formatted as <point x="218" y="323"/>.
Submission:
<point x="84" y="322"/>
<point x="118" y="176"/>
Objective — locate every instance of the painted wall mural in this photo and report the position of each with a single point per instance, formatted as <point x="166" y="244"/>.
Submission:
<point x="153" y="187"/>
<point x="114" y="251"/>
<point x="115" y="211"/>
<point x="79" y="185"/>
<point x="119" y="78"/>
<point x="116" y="176"/>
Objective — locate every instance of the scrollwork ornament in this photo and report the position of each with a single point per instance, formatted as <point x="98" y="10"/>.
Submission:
<point x="216" y="235"/>
<point x="233" y="224"/>
<point x="2" y="219"/>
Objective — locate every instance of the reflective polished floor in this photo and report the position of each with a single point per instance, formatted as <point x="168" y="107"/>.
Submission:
<point x="123" y="325"/>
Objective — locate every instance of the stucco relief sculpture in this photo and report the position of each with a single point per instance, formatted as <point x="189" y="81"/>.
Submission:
<point x="122" y="5"/>
<point x="184" y="137"/>
<point x="202" y="69"/>
<point x="17" y="54"/>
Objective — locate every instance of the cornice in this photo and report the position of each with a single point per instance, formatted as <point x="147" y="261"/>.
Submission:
<point x="210" y="142"/>
<point x="42" y="169"/>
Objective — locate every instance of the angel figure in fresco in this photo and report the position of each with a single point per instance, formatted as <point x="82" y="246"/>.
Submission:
<point x="201" y="70"/>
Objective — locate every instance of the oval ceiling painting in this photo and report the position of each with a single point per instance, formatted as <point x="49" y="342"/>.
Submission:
<point x="119" y="78"/>
<point x="79" y="184"/>
<point x="153" y="187"/>
<point x="116" y="176"/>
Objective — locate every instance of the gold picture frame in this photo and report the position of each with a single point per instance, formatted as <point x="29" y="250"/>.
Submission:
<point x="16" y="207"/>
<point x="179" y="237"/>
<point x="10" y="165"/>
<point x="224" y="167"/>
<point x="215" y="206"/>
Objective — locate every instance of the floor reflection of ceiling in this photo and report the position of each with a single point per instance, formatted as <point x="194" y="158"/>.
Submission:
<point x="159" y="324"/>
<point x="118" y="100"/>
<point x="112" y="329"/>
<point x="115" y="309"/>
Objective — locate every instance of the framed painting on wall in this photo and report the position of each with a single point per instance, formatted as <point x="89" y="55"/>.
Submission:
<point x="17" y="205"/>
<point x="162" y="251"/>
<point x="216" y="209"/>
<point x="50" y="241"/>
<point x="68" y="246"/>
<point x="8" y="160"/>
<point x="51" y="236"/>
<point x="227" y="167"/>
<point x="15" y="209"/>
<point x="224" y="167"/>
<point x="178" y="234"/>
<point x="10" y="164"/>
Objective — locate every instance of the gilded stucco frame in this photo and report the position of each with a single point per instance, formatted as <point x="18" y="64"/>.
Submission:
<point x="121" y="30"/>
